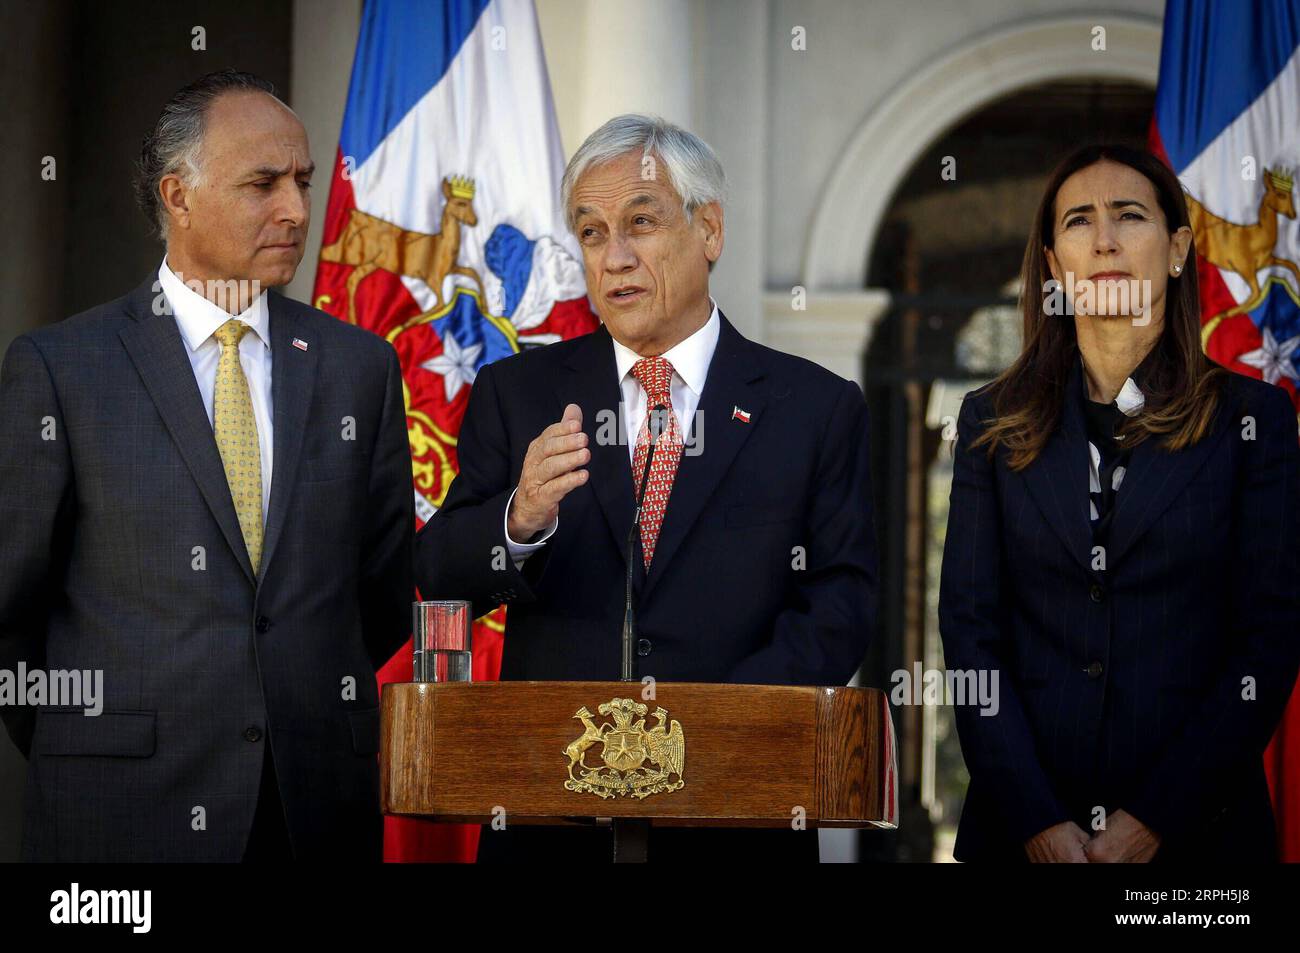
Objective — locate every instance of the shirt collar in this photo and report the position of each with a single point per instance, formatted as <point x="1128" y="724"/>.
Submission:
<point x="690" y="358"/>
<point x="198" y="318"/>
<point x="1130" y="399"/>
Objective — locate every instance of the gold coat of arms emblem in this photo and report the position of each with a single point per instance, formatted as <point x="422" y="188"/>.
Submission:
<point x="638" y="761"/>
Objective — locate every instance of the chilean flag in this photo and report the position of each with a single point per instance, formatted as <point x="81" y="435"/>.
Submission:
<point x="1227" y="120"/>
<point x="444" y="235"/>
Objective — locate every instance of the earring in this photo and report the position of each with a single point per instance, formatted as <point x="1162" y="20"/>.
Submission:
<point x="1178" y="269"/>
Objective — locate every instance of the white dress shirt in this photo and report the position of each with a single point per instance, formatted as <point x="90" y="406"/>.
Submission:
<point x="690" y="360"/>
<point x="197" y="318"/>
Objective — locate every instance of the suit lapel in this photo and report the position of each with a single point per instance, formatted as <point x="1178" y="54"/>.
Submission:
<point x="154" y="345"/>
<point x="293" y="376"/>
<point x="592" y="384"/>
<point x="1153" y="479"/>
<point x="735" y="364"/>
<point x="1058" y="479"/>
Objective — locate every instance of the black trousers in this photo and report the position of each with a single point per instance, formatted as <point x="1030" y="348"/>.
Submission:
<point x="268" y="841"/>
<point x="571" y="845"/>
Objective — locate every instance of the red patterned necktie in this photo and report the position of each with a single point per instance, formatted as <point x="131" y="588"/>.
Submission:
<point x="655" y="375"/>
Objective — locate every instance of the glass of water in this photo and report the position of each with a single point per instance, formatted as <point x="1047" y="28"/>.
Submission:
<point x="442" y="641"/>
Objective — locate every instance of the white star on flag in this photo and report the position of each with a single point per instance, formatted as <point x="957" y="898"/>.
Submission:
<point x="1273" y="359"/>
<point x="454" y="364"/>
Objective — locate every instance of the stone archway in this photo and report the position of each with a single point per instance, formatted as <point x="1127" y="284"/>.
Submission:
<point x="918" y="111"/>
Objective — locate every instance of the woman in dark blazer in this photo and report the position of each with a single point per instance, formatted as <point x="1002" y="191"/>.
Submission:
<point x="1123" y="550"/>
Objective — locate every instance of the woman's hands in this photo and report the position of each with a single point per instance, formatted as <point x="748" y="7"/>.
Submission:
<point x="1061" y="844"/>
<point x="1124" y="840"/>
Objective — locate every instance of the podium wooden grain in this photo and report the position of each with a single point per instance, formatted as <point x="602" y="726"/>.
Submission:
<point x="755" y="754"/>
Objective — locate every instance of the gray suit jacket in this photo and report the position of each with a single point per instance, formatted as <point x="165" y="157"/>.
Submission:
<point x="122" y="553"/>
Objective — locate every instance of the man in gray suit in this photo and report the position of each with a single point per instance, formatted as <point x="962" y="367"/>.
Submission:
<point x="205" y="495"/>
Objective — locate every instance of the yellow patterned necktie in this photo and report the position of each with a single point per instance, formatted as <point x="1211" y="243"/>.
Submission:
<point x="236" y="431"/>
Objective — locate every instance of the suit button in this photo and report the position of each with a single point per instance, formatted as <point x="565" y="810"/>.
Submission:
<point x="1094" y="670"/>
<point x="263" y="624"/>
<point x="252" y="733"/>
<point x="643" y="647"/>
<point x="1096" y="593"/>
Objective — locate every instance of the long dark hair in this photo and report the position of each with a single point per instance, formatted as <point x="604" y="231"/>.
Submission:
<point x="1181" y="385"/>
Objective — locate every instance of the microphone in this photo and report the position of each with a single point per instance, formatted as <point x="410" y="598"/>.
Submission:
<point x="629" y="612"/>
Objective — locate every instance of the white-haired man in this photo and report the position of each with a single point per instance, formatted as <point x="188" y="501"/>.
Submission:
<point x="756" y="559"/>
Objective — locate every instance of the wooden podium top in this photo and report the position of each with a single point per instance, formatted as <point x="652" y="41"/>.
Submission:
<point x="694" y="754"/>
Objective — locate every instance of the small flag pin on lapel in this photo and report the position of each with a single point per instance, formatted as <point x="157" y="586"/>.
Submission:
<point x="738" y="414"/>
<point x="300" y="344"/>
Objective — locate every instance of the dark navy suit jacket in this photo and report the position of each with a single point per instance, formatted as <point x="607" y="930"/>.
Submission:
<point x="205" y="663"/>
<point x="765" y="567"/>
<point x="1123" y="688"/>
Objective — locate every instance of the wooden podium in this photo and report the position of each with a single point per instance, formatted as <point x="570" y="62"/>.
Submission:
<point x="695" y="754"/>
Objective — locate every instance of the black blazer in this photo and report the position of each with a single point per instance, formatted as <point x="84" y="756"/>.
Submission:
<point x="765" y="568"/>
<point x="1123" y="688"/>
<point x="122" y="552"/>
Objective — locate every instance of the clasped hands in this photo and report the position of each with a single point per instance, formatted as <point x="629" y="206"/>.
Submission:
<point x="1124" y="839"/>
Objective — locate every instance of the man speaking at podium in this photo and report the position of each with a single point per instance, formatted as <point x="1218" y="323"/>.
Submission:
<point x="755" y="558"/>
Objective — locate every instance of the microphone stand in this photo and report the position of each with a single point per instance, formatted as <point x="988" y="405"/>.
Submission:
<point x="632" y="835"/>
<point x="629" y="611"/>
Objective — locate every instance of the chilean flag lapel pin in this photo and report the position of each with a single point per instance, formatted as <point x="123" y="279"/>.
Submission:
<point x="300" y="344"/>
<point x="738" y="414"/>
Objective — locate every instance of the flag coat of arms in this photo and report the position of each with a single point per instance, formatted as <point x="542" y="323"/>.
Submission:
<point x="1227" y="121"/>
<point x="444" y="234"/>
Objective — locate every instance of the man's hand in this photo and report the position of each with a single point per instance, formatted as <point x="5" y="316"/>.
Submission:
<point x="550" y="472"/>
<point x="1061" y="844"/>
<point x="1126" y="840"/>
